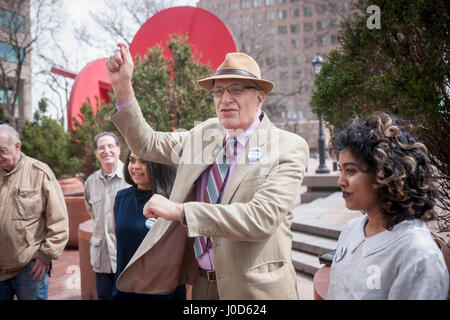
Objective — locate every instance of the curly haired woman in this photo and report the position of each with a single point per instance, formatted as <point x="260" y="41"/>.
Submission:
<point x="388" y="253"/>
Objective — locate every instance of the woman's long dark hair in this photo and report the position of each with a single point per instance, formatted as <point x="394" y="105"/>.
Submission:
<point x="400" y="165"/>
<point x="161" y="176"/>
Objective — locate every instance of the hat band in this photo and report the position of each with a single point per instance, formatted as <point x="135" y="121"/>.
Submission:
<point x="234" y="71"/>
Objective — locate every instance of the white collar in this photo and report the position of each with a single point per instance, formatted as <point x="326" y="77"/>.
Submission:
<point x="383" y="239"/>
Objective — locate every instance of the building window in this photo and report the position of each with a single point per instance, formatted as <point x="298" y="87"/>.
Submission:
<point x="281" y="1"/>
<point x="270" y="16"/>
<point x="12" y="21"/>
<point x="258" y="17"/>
<point x="282" y="29"/>
<point x="256" y="3"/>
<point x="244" y="4"/>
<point x="322" y="41"/>
<point x="295" y="28"/>
<point x="307" y="26"/>
<point x="295" y="13"/>
<point x="333" y="39"/>
<point x="334" y="23"/>
<point x="308" y="42"/>
<point x="4" y="94"/>
<point x="283" y="61"/>
<point x="284" y="76"/>
<point x="296" y="75"/>
<point x="295" y="43"/>
<point x="309" y="59"/>
<point x="269" y="61"/>
<point x="320" y="9"/>
<point x="295" y="60"/>
<point x="307" y="12"/>
<point x="281" y="14"/>
<point x="282" y="46"/>
<point x="233" y="6"/>
<point x="9" y="54"/>
<point x="269" y="3"/>
<point x="320" y="25"/>
<point x="245" y="19"/>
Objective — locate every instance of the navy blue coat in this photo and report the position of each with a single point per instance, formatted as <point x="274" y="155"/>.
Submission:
<point x="130" y="231"/>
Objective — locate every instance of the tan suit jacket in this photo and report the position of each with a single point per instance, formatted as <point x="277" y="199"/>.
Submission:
<point x="250" y="228"/>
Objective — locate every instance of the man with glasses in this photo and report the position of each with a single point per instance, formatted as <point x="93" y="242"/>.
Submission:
<point x="34" y="227"/>
<point x="99" y="194"/>
<point x="237" y="182"/>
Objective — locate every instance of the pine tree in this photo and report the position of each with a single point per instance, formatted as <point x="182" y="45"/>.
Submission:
<point x="166" y="90"/>
<point x="401" y="68"/>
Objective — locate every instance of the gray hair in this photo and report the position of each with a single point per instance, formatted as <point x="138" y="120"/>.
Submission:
<point x="105" y="133"/>
<point x="14" y="136"/>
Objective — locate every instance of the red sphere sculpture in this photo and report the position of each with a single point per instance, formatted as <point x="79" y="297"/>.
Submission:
<point x="208" y="36"/>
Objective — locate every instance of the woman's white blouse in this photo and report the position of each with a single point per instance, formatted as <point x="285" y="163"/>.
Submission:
<point x="404" y="263"/>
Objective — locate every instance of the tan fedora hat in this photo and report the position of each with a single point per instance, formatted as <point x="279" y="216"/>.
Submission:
<point x="238" y="65"/>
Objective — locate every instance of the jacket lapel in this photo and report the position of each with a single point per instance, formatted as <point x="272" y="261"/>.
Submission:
<point x="192" y="165"/>
<point x="258" y="140"/>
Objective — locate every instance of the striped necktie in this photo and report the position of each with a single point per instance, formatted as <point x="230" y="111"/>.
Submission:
<point x="214" y="187"/>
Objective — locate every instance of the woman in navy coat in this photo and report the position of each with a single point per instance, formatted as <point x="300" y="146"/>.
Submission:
<point x="131" y="225"/>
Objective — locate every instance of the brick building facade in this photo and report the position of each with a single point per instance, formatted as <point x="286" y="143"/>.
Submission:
<point x="14" y="47"/>
<point x="284" y="36"/>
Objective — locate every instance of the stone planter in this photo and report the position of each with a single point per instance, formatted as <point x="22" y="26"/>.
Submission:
<point x="77" y="214"/>
<point x="73" y="190"/>
<point x="71" y="186"/>
<point x="88" y="287"/>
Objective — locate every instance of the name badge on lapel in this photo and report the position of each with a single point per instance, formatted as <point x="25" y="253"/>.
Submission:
<point x="150" y="222"/>
<point x="340" y="254"/>
<point x="254" y="154"/>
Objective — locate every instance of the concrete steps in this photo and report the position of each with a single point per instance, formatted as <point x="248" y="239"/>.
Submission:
<point x="326" y="229"/>
<point x="312" y="244"/>
<point x="315" y="229"/>
<point x="306" y="263"/>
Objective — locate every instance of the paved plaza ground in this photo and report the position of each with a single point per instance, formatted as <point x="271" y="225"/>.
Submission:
<point x="65" y="282"/>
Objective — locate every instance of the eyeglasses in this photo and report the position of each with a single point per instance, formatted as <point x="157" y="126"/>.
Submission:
<point x="233" y="90"/>
<point x="104" y="146"/>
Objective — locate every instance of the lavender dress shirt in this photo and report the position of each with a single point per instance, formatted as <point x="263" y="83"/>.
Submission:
<point x="206" y="261"/>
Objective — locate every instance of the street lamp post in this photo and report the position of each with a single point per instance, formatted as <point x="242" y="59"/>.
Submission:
<point x="317" y="65"/>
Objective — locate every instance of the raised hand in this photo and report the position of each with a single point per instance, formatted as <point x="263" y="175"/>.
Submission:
<point x="120" y="68"/>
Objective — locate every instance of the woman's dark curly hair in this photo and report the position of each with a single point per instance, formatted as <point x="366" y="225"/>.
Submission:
<point x="400" y="165"/>
<point x="161" y="176"/>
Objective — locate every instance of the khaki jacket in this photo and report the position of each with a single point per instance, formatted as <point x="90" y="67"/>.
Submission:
<point x="251" y="227"/>
<point x="99" y="196"/>
<point x="33" y="216"/>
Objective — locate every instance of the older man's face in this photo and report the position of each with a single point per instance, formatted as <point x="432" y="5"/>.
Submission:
<point x="107" y="152"/>
<point x="238" y="111"/>
<point x="9" y="152"/>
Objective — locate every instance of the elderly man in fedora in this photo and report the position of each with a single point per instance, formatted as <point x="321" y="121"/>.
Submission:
<point x="227" y="225"/>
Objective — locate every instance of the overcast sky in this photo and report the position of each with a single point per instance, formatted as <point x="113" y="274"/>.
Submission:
<point x="77" y="15"/>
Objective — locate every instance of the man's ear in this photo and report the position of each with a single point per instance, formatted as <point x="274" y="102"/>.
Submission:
<point x="261" y="97"/>
<point x="18" y="145"/>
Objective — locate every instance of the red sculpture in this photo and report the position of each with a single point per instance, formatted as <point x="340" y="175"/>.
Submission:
<point x="209" y="37"/>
